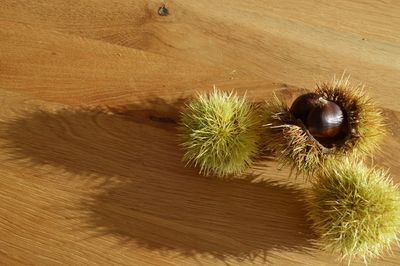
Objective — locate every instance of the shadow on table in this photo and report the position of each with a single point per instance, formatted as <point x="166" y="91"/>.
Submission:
<point x="233" y="219"/>
<point x="147" y="196"/>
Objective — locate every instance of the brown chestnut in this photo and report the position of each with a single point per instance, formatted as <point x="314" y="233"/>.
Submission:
<point x="303" y="105"/>
<point x="325" y="120"/>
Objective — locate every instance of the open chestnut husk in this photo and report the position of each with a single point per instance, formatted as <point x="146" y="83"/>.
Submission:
<point x="334" y="122"/>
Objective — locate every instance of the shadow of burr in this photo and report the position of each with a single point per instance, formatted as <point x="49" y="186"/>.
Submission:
<point x="153" y="200"/>
<point x="195" y="216"/>
<point x="107" y="141"/>
<point x="154" y="111"/>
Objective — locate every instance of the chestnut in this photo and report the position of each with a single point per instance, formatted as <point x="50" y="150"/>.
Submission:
<point x="325" y="120"/>
<point x="303" y="105"/>
<point x="341" y="121"/>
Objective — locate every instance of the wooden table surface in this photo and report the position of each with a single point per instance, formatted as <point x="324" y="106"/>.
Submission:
<point x="90" y="93"/>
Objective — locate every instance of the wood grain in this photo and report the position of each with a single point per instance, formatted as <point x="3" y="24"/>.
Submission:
<point x="91" y="91"/>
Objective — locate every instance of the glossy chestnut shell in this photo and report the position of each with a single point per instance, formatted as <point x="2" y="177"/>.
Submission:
<point x="303" y="104"/>
<point x="325" y="120"/>
<point x="322" y="118"/>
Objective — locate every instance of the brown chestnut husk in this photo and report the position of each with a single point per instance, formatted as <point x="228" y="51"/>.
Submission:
<point x="334" y="122"/>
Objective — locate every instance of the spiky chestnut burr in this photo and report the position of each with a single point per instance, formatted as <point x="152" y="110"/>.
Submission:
<point x="292" y="140"/>
<point x="220" y="133"/>
<point x="354" y="210"/>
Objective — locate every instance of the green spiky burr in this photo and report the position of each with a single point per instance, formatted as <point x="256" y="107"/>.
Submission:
<point x="220" y="133"/>
<point x="355" y="210"/>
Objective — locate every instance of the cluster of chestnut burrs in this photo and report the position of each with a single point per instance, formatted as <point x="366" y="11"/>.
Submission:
<point x="325" y="135"/>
